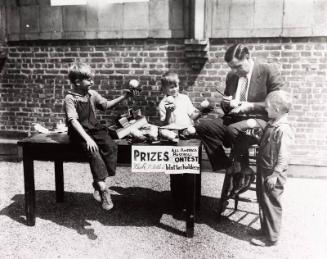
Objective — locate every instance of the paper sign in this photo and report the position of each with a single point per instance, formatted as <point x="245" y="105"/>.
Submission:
<point x="166" y="159"/>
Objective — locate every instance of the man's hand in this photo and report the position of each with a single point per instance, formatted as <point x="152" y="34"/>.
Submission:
<point x="270" y="182"/>
<point x="242" y="108"/>
<point x="228" y="103"/>
<point x="206" y="106"/>
<point x="225" y="102"/>
<point x="91" y="145"/>
<point x="256" y="133"/>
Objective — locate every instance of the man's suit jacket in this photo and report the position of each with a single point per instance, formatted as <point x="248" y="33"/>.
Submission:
<point x="265" y="79"/>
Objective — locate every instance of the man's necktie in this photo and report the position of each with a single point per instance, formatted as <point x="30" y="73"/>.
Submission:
<point x="243" y="89"/>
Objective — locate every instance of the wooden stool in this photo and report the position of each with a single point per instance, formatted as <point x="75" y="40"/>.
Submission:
<point x="252" y="156"/>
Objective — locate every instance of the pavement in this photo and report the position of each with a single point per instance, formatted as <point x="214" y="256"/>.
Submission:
<point x="143" y="223"/>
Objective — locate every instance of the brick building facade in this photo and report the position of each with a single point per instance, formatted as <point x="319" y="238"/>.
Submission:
<point x="144" y="39"/>
<point x="34" y="81"/>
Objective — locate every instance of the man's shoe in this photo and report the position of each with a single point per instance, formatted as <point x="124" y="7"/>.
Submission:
<point x="262" y="242"/>
<point x="97" y="195"/>
<point x="107" y="203"/>
<point x="255" y="232"/>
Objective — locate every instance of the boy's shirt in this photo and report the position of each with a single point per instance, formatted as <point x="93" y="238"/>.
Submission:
<point x="82" y="108"/>
<point x="183" y="110"/>
<point x="274" y="146"/>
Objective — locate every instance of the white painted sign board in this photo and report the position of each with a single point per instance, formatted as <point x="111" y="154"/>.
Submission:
<point x="165" y="159"/>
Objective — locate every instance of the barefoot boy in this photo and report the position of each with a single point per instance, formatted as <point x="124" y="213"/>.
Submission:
<point x="85" y="131"/>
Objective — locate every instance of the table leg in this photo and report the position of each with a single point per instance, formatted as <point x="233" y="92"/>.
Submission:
<point x="191" y="200"/>
<point x="198" y="191"/>
<point x="29" y="189"/>
<point x="198" y="181"/>
<point x="59" y="176"/>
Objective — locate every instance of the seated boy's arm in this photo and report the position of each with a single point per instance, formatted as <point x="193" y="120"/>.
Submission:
<point x="127" y="93"/>
<point x="164" y="114"/>
<point x="166" y="120"/>
<point x="196" y="114"/>
<point x="115" y="101"/>
<point x="91" y="145"/>
<point x="192" y="112"/>
<point x="70" y="109"/>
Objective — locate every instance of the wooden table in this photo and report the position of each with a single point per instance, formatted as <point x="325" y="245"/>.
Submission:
<point x="57" y="147"/>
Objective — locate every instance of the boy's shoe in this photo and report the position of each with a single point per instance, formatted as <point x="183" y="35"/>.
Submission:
<point x="107" y="203"/>
<point x="97" y="195"/>
<point x="262" y="242"/>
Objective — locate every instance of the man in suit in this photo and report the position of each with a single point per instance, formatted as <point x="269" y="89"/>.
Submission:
<point x="247" y="85"/>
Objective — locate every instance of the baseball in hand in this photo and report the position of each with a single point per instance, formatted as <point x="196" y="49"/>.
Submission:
<point x="205" y="104"/>
<point x="234" y="103"/>
<point x="134" y="83"/>
<point x="251" y="123"/>
<point x="190" y="130"/>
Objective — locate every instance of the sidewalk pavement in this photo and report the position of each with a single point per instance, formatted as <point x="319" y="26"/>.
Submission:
<point x="143" y="224"/>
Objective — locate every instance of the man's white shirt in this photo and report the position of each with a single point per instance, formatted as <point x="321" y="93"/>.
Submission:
<point x="241" y="81"/>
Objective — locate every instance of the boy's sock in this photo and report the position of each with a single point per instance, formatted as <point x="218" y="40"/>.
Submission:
<point x="107" y="203"/>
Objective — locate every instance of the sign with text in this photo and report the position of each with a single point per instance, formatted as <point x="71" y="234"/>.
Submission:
<point x="166" y="159"/>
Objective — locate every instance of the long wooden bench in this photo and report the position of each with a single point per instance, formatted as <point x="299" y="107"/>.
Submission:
<point x="57" y="147"/>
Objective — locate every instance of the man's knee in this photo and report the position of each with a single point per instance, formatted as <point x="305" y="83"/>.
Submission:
<point x="232" y="131"/>
<point x="205" y="126"/>
<point x="201" y="127"/>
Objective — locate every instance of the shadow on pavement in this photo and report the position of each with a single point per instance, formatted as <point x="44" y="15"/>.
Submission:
<point x="134" y="206"/>
<point x="233" y="223"/>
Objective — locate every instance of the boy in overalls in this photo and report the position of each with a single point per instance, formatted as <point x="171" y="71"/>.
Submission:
<point x="272" y="164"/>
<point x="85" y="131"/>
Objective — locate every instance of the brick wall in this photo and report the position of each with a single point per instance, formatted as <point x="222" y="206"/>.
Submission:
<point x="34" y="80"/>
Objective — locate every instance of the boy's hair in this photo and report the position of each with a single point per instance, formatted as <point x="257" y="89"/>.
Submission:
<point x="79" y="71"/>
<point x="169" y="78"/>
<point x="280" y="101"/>
<point x="238" y="51"/>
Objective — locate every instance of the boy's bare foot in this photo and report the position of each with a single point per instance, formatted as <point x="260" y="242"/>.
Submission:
<point x="107" y="203"/>
<point x="97" y="195"/>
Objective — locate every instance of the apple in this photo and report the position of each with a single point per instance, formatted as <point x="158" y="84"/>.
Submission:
<point x="170" y="99"/>
<point x="205" y="103"/>
<point x="190" y="130"/>
<point x="251" y="123"/>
